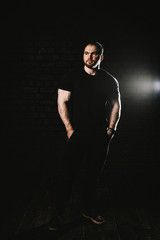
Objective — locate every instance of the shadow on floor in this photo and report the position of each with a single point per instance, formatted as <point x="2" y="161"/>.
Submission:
<point x="42" y="232"/>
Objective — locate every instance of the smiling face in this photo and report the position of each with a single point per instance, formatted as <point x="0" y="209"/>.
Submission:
<point x="91" y="57"/>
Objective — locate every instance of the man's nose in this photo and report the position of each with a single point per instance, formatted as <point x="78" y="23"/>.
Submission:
<point x="90" y="56"/>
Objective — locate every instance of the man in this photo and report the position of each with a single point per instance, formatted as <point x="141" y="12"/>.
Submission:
<point x="90" y="121"/>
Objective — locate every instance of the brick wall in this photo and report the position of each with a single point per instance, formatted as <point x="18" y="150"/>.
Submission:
<point x="35" y="69"/>
<point x="38" y="48"/>
<point x="31" y="128"/>
<point x="32" y="132"/>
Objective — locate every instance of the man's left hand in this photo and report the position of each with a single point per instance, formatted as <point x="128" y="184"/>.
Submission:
<point x="110" y="132"/>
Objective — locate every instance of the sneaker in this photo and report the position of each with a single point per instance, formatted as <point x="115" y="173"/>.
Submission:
<point x="97" y="219"/>
<point x="55" y="223"/>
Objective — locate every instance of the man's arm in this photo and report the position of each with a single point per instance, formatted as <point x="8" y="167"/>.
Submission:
<point x="115" y="114"/>
<point x="63" y="97"/>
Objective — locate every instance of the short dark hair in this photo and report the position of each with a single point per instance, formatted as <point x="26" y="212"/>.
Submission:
<point x="99" y="46"/>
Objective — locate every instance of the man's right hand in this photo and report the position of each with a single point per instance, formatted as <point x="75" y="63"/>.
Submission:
<point x="70" y="132"/>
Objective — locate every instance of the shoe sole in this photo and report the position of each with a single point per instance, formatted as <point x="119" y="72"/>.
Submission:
<point x="52" y="229"/>
<point x="93" y="220"/>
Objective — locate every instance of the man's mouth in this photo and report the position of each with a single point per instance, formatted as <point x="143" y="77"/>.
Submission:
<point x="90" y="61"/>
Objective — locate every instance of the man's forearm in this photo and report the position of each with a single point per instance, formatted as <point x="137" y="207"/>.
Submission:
<point x="64" y="114"/>
<point x="115" y="115"/>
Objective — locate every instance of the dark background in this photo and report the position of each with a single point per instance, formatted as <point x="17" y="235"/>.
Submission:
<point x="43" y="40"/>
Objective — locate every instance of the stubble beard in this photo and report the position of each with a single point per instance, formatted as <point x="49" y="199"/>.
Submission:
<point x="92" y="65"/>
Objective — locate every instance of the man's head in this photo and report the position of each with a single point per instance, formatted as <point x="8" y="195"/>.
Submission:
<point x="93" y="54"/>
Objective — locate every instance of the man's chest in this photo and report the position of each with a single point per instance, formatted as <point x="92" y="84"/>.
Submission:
<point x="90" y="90"/>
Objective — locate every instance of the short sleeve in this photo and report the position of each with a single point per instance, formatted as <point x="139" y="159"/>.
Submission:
<point x="66" y="82"/>
<point x="114" y="91"/>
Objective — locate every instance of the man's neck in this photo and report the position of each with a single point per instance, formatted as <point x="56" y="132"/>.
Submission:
<point x="90" y="71"/>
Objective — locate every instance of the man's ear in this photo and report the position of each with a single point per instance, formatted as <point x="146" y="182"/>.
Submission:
<point x="101" y="57"/>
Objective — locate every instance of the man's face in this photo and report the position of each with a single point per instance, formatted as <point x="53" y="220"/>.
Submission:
<point x="91" y="57"/>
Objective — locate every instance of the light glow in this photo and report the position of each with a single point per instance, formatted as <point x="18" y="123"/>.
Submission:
<point x="156" y="86"/>
<point x="141" y="84"/>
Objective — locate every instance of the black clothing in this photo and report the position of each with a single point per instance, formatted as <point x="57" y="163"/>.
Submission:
<point x="82" y="149"/>
<point x="90" y="95"/>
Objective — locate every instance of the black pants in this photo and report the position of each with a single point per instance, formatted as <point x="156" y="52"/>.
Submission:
<point x="91" y="147"/>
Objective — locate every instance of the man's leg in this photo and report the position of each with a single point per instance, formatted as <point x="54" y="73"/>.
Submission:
<point x="96" y="155"/>
<point x="66" y="173"/>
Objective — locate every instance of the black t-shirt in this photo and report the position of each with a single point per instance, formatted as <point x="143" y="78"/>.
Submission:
<point x="89" y="97"/>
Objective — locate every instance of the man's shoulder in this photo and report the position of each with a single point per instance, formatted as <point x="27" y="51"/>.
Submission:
<point x="68" y="79"/>
<point x="108" y="76"/>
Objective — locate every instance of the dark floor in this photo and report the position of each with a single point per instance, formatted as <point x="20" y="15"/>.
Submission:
<point x="129" y="203"/>
<point x="129" y="194"/>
